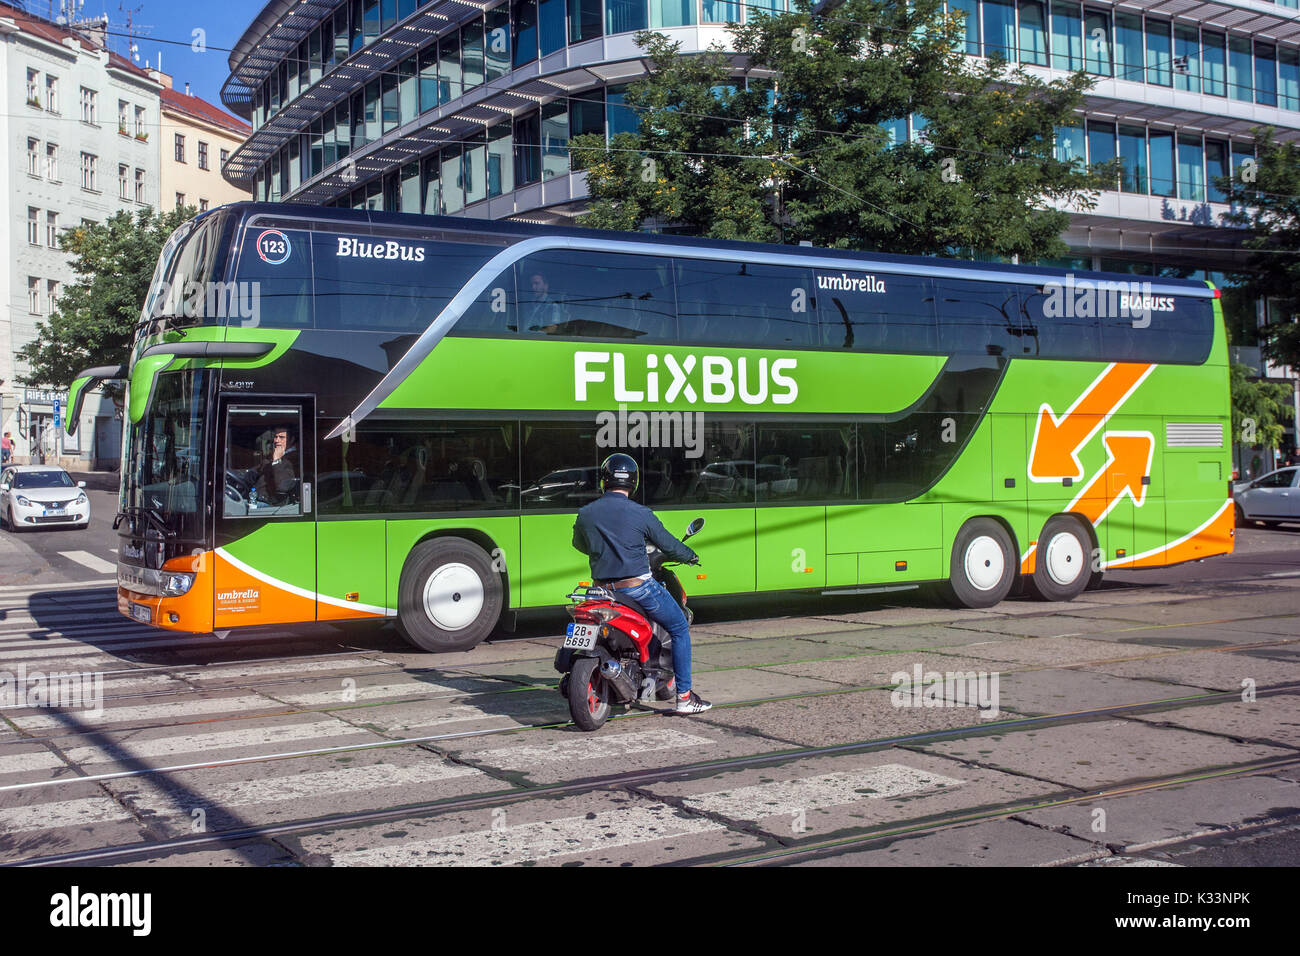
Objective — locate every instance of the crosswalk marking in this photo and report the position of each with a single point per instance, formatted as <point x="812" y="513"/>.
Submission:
<point x="128" y="751"/>
<point x="587" y="748"/>
<point x="817" y="793"/>
<point x="361" y="694"/>
<point x="87" y="559"/>
<point x="530" y="842"/>
<point x="27" y="762"/>
<point x="180" y="710"/>
<point x="323" y="783"/>
<point x="63" y="813"/>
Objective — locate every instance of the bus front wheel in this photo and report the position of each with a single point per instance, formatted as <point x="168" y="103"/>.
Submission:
<point x="983" y="565"/>
<point x="449" y="597"/>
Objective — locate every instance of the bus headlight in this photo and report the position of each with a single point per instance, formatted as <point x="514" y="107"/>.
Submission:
<point x="176" y="583"/>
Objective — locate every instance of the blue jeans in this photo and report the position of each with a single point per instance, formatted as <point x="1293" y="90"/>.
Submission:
<point x="663" y="610"/>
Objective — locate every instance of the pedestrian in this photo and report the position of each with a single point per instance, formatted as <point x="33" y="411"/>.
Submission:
<point x="6" y="448"/>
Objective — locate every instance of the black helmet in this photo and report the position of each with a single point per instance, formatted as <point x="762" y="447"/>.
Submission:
<point x="619" y="472"/>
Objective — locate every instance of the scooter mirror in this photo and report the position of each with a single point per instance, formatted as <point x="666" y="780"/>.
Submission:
<point x="694" y="527"/>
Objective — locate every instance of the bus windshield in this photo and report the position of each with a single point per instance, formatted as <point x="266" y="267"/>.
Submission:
<point x="163" y="486"/>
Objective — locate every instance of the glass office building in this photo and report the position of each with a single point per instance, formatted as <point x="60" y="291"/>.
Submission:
<point x="467" y="108"/>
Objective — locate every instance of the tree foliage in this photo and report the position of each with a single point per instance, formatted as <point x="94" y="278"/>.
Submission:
<point x="1259" y="409"/>
<point x="800" y="150"/>
<point x="1266" y="200"/>
<point x="95" y="317"/>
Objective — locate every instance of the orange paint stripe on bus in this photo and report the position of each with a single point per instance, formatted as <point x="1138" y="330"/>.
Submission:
<point x="1215" y="537"/>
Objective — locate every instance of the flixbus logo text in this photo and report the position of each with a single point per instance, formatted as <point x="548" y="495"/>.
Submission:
<point x="710" y="379"/>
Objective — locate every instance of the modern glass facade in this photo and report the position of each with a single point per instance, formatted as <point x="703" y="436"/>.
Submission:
<point x="491" y="50"/>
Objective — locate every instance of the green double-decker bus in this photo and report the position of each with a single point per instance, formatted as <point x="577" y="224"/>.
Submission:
<point x="338" y="415"/>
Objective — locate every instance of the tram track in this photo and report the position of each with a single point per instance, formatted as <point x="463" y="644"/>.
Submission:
<point x="631" y="779"/>
<point x="468" y="697"/>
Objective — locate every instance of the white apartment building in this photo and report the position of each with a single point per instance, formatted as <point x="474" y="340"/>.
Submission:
<point x="79" y="124"/>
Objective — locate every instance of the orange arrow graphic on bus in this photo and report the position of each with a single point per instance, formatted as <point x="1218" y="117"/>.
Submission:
<point x="1130" y="455"/>
<point x="1055" y="452"/>
<point x="1130" y="461"/>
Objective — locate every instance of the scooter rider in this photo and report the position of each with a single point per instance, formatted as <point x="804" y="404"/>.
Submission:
<point x="612" y="531"/>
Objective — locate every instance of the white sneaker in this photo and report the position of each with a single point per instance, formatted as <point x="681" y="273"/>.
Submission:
<point x="692" y="703"/>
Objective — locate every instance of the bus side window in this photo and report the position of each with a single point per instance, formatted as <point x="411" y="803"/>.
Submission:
<point x="495" y="313"/>
<point x="746" y="305"/>
<point x="275" y="287"/>
<point x="596" y="295"/>
<point x="981" y="318"/>
<point x="875" y="312"/>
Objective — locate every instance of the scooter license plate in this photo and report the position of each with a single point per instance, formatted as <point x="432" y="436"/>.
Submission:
<point x="581" y="637"/>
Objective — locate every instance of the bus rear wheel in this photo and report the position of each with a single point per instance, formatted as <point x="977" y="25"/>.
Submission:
<point x="1063" y="565"/>
<point x="449" y="597"/>
<point x="983" y="565"/>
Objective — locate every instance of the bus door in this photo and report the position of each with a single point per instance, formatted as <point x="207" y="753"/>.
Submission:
<point x="265" y="557"/>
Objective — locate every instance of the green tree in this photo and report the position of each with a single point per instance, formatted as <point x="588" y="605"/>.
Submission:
<point x="1266" y="200"/>
<point x="1259" y="409"/>
<point x="95" y="319"/>
<point x="801" y="151"/>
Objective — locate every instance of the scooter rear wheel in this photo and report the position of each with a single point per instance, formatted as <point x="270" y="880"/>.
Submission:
<point x="588" y="694"/>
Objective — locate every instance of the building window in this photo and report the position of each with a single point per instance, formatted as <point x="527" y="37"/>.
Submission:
<point x="51" y="93"/>
<point x="52" y="162"/>
<point x="180" y="148"/>
<point x="34" y="88"/>
<point x="33" y="157"/>
<point x="52" y="294"/>
<point x="123" y="115"/>
<point x="1240" y="79"/>
<point x="139" y="185"/>
<point x="52" y="230"/>
<point x="225" y="157"/>
<point x="33" y="295"/>
<point x="203" y="155"/>
<point x="90" y="172"/>
<point x="33" y="226"/>
<point x="203" y="205"/>
<point x="1067" y="36"/>
<point x="180" y="200"/>
<point x="139" y="121"/>
<point x="123" y="181"/>
<point x="89" y="106"/>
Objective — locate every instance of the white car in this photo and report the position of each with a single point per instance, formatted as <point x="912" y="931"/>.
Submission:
<point x="38" y="496"/>
<point x="1271" y="498"/>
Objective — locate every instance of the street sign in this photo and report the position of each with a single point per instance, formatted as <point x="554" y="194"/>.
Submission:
<point x="58" y="418"/>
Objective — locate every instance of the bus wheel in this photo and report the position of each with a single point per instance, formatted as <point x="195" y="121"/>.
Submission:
<point x="449" y="598"/>
<point x="983" y="565"/>
<point x="1063" y="566"/>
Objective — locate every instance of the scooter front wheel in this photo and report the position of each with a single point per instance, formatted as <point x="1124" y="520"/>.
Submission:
<point x="588" y="694"/>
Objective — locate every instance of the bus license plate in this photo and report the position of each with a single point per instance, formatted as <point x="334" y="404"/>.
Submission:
<point x="581" y="636"/>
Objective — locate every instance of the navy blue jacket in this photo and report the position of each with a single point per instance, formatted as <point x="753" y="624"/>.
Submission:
<point x="613" y="530"/>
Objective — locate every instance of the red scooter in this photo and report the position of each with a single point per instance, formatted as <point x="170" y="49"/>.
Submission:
<point x="613" y="654"/>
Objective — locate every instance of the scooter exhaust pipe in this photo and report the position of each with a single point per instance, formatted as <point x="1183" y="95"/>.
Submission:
<point x="613" y="672"/>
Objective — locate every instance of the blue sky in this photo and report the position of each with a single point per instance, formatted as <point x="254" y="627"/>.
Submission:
<point x="167" y="27"/>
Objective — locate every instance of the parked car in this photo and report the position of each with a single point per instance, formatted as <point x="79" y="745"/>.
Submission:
<point x="37" y="496"/>
<point x="1270" y="499"/>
